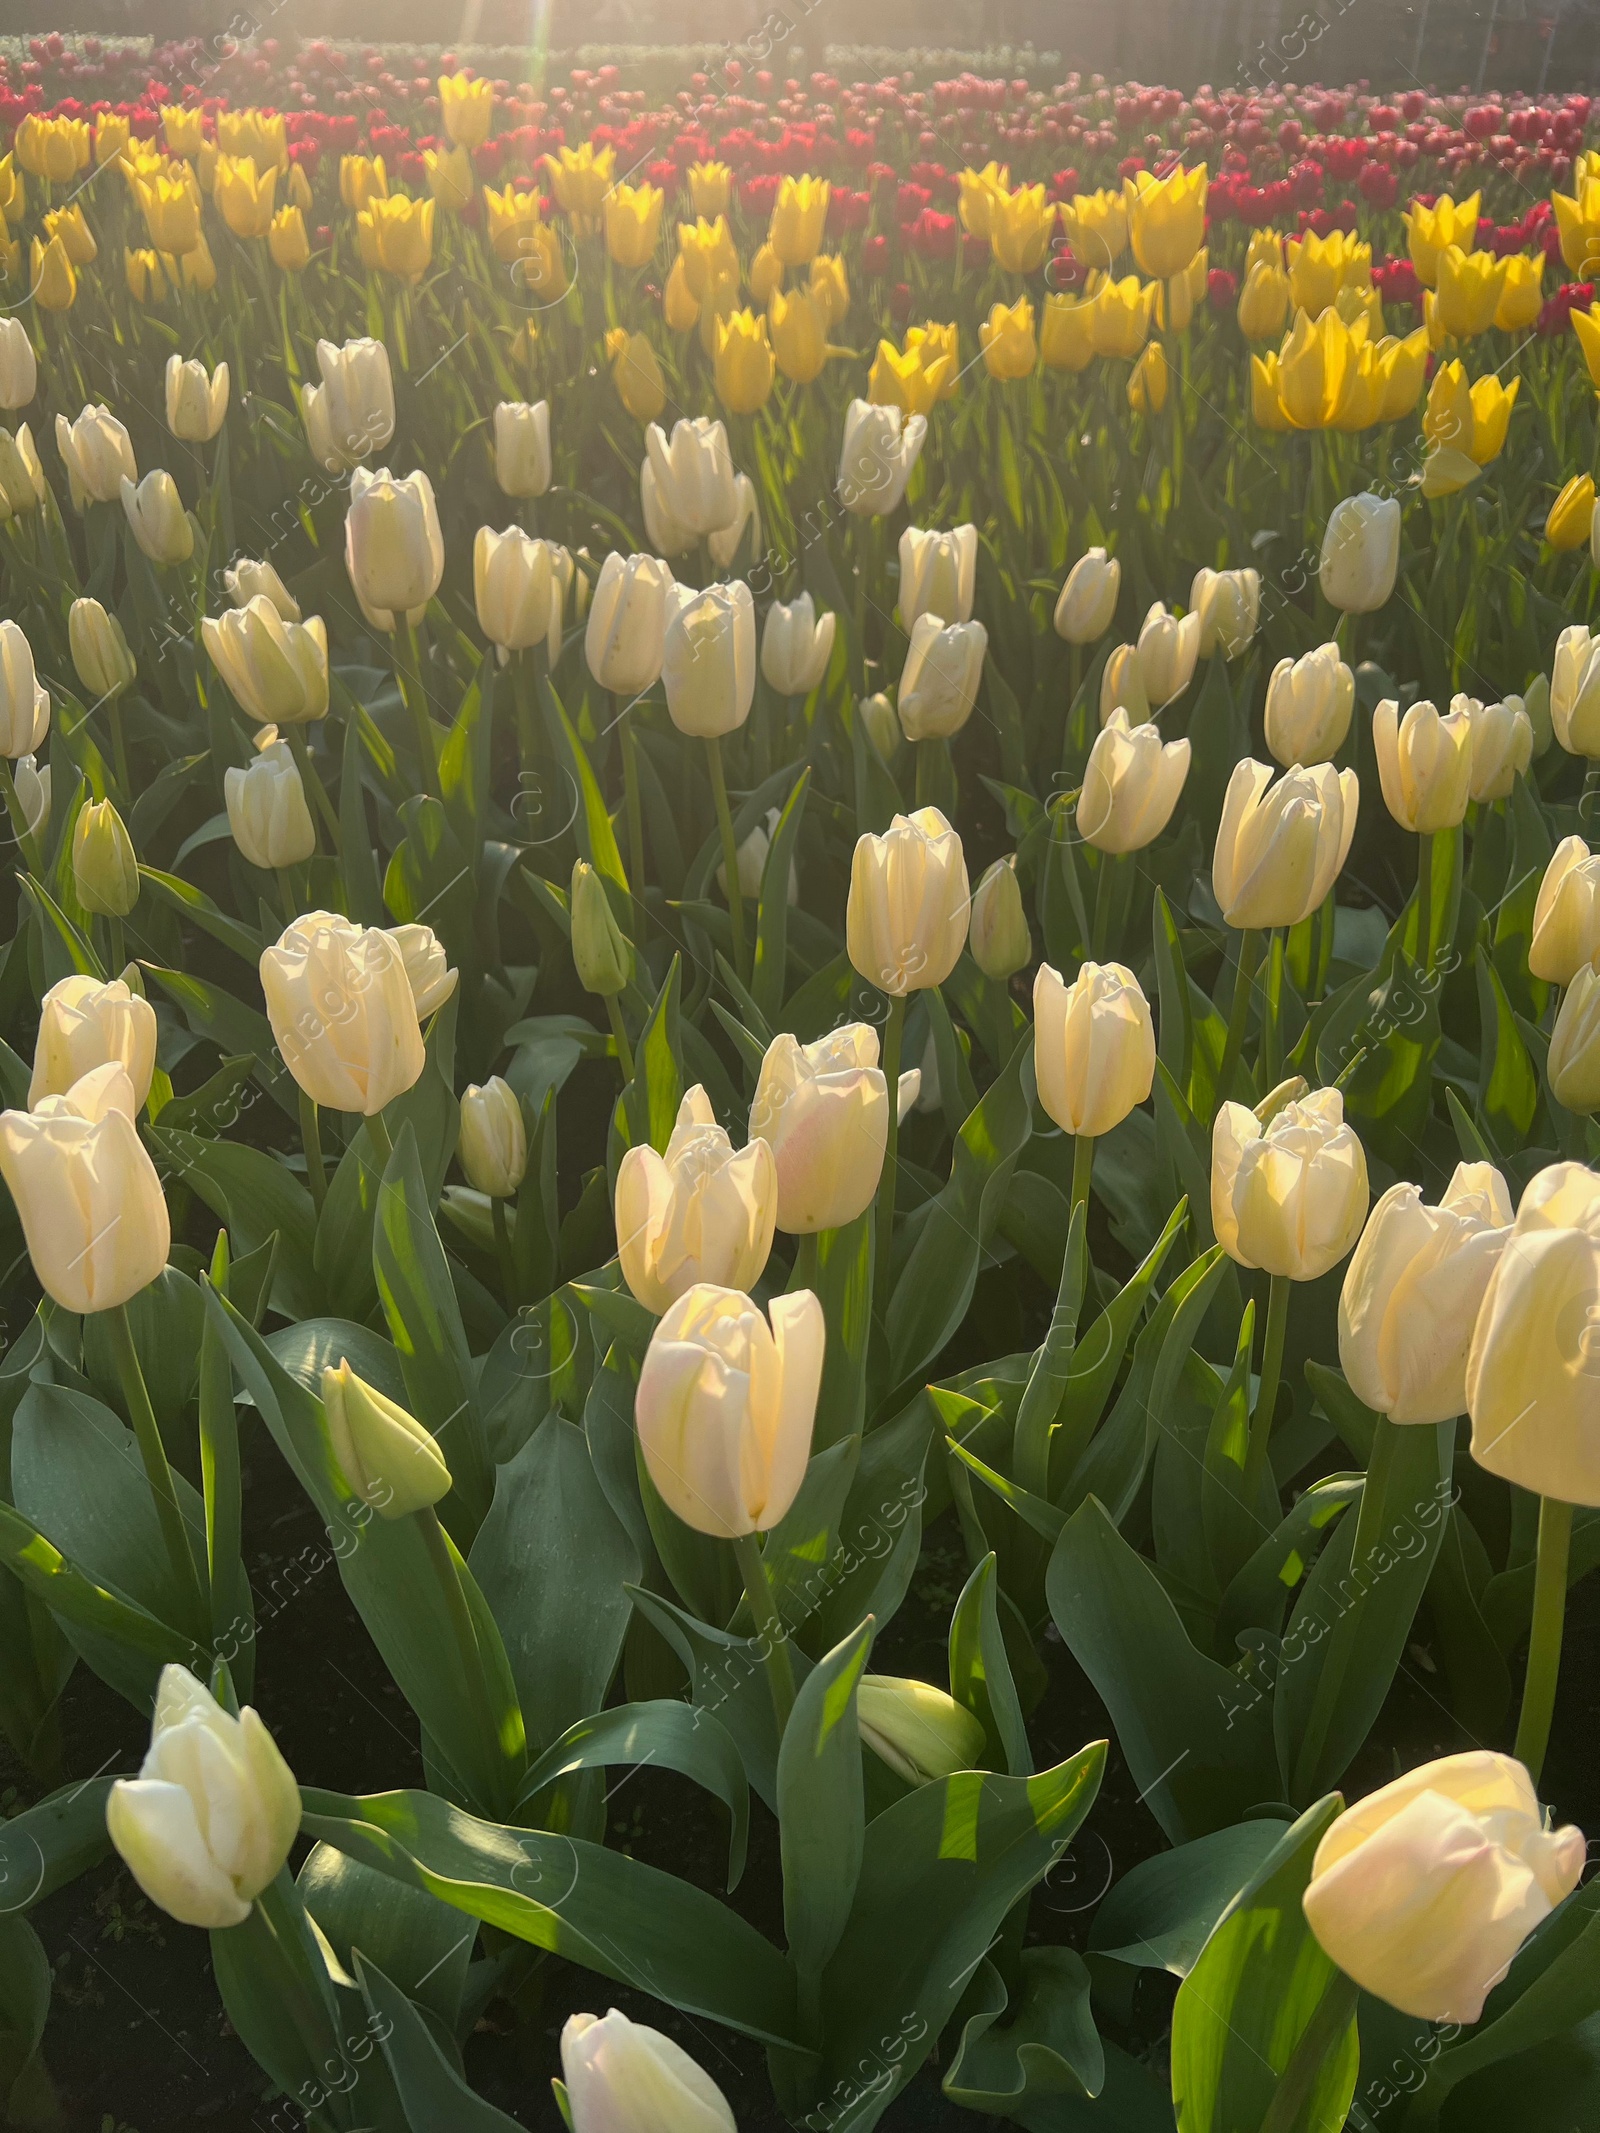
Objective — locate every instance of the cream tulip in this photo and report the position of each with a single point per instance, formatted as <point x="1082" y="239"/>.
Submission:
<point x="393" y="548"/>
<point x="522" y="464"/>
<point x="796" y="645"/>
<point x="156" y="515"/>
<point x="702" y="1212"/>
<point x="823" y="1108"/>
<point x="493" y="1148"/>
<point x="692" y="475"/>
<point x="1167" y="649"/>
<point x="1228" y="603"/>
<point x="751" y="859"/>
<point x="351" y="413"/>
<point x="1309" y="705"/>
<point x="1131" y="784"/>
<point x="1424" y="1891"/>
<point x="1502" y="747"/>
<point x="624" y="2077"/>
<point x="105" y="868"/>
<point x="22" y="482"/>
<point x="1575" y="692"/>
<point x="939" y="682"/>
<point x="1424" y="764"/>
<point x="666" y="537"/>
<point x="100" y="655"/>
<point x="708" y="661"/>
<point x="429" y="972"/>
<point x="517" y="592"/>
<point x="197" y="403"/>
<point x="1574" y="1059"/>
<point x="999" y="938"/>
<point x="724" y="541"/>
<point x="1094" y="1046"/>
<point x="97" y="453"/>
<point x="1566" y="914"/>
<point x="882" y="722"/>
<point x="1122" y="687"/>
<point x="24" y="701"/>
<point x="247" y="580"/>
<point x="389" y="1460"/>
<point x="207" y="1824"/>
<point x="909" y="906"/>
<point x="86" y="1023"/>
<point x="1361" y="553"/>
<point x="726" y="1404"/>
<point x="1280" y="851"/>
<point x="881" y="446"/>
<point x="938" y="574"/>
<point x="920" y="1732"/>
<point x="1289" y="1197"/>
<point x="1088" y="599"/>
<point x="343" y="1012"/>
<point x="86" y="1192"/>
<point x="628" y="614"/>
<point x="33" y="792"/>
<point x="276" y="671"/>
<point x="267" y="811"/>
<point x="19" y="368"/>
<point x="1412" y="1290"/>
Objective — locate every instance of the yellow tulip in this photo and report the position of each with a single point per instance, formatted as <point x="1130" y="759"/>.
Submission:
<point x="1019" y="229"/>
<point x="1359" y="306"/>
<point x="1578" y="221"/>
<point x="1097" y="228"/>
<point x="1492" y="403"/>
<point x="911" y="380"/>
<point x="142" y="272"/>
<point x="246" y="201"/>
<point x="1264" y="250"/>
<point x="467" y="108"/>
<point x="1567" y="527"/>
<point x="1166" y="219"/>
<point x="509" y="216"/>
<point x="1174" y="302"/>
<point x="933" y="341"/>
<point x="710" y="188"/>
<point x="287" y="241"/>
<point x="1266" y="402"/>
<point x="633" y="223"/>
<point x="744" y="363"/>
<point x="720" y="302"/>
<point x="195" y="269"/>
<point x="55" y="280"/>
<point x="1360" y="402"/>
<point x="401" y="233"/>
<point x="182" y="129"/>
<point x="1404" y="368"/>
<point x="977" y="194"/>
<point x="1147" y="385"/>
<point x="1447" y="418"/>
<point x="830" y="285"/>
<point x="1121" y="322"/>
<point x="1522" y="298"/>
<point x="77" y="239"/>
<point x="799" y="335"/>
<point x="580" y="180"/>
<point x="636" y="373"/>
<point x="451" y="178"/>
<point x="56" y="149"/>
<point x="13" y="189"/>
<point x="1066" y="333"/>
<point x="1311" y="369"/>
<point x="1319" y="267"/>
<point x="361" y="182"/>
<point x="1586" y="325"/>
<point x="1006" y="337"/>
<point x="706" y="252"/>
<point x="1433" y="230"/>
<point x="171" y="213"/>
<point x="798" y="217"/>
<point x="111" y="137"/>
<point x="260" y="135"/>
<point x="678" y="305"/>
<point x="1264" y="302"/>
<point x="1469" y="291"/>
<point x="298" y="188"/>
<point x="1446" y="471"/>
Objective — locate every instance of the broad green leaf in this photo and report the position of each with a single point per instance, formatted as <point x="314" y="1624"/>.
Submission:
<point x="257" y="1197"/>
<point x="435" y="2096"/>
<point x="772" y="922"/>
<point x="1046" y="2047"/>
<point x="426" y="1944"/>
<point x="980" y="1672"/>
<point x="821" y="1816"/>
<point x="1161" y="1913"/>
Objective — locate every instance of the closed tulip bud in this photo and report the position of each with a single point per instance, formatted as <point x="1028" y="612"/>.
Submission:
<point x="1010" y="346"/>
<point x="393" y="548"/>
<point x="702" y="1212"/>
<point x="1148" y="380"/>
<point x="1228" y="603"/>
<point x="1088" y="599"/>
<point x="823" y="1109"/>
<point x="429" y="971"/>
<point x="343" y="1012"/>
<point x="351" y="413"/>
<point x="1424" y="1891"/>
<point x="726" y="1404"/>
<point x="86" y="1192"/>
<point x="1424" y="764"/>
<point x="1167" y="651"/>
<point x="22" y="483"/>
<point x="1309" y="705"/>
<point x="105" y="871"/>
<point x="920" y="1732"/>
<point x="155" y="512"/>
<point x="1094" y="1046"/>
<point x="1536" y="702"/>
<point x="1412" y="1290"/>
<point x="636" y="373"/>
<point x="881" y="446"/>
<point x="493" y="1148"/>
<point x="937" y="574"/>
<point x="1574" y="1060"/>
<point x="522" y="463"/>
<point x="1131" y="784"/>
<point x="744" y="365"/>
<point x="1122" y="686"/>
<point x="247" y="580"/>
<point x="1000" y="941"/>
<point x="277" y="671"/>
<point x="267" y="810"/>
<point x="939" y="683"/>
<point x="98" y="455"/>
<point x="1289" y="1197"/>
<point x="33" y="793"/>
<point x="19" y="367"/>
<point x="84" y="1024"/>
<point x="53" y="277"/>
<point x="694" y="479"/>
<point x="798" y="323"/>
<point x="518" y="595"/>
<point x="1575" y="692"/>
<point x="207" y="1824"/>
<point x="1572" y="514"/>
<point x="1264" y="302"/>
<point x="600" y="949"/>
<point x="389" y="1460"/>
<point x="724" y="541"/>
<point x="1280" y="851"/>
<point x="796" y="645"/>
<point x="751" y="862"/>
<point x="1502" y="747"/>
<point x="909" y="905"/>
<point x="287" y="242"/>
<point x="708" y="659"/>
<point x="1566" y="914"/>
<point x="627" y="627"/>
<point x="24" y="701"/>
<point x="624" y="2077"/>
<point x="1361" y="553"/>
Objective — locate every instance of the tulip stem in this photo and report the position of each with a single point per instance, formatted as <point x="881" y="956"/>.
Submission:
<point x="1239" y="1015"/>
<point x="803" y="1274"/>
<point x="1255" y="1464"/>
<point x="730" y="850"/>
<point x="119" y="947"/>
<point x="382" y="1139"/>
<point x="893" y="1031"/>
<point x="311" y="1141"/>
<point x="311" y="779"/>
<point x="1330" y="2018"/>
<point x="119" y="746"/>
<point x="502" y="1252"/>
<point x="408" y="665"/>
<point x="769" y="1625"/>
<point x="1425" y="902"/>
<point x="1104" y="891"/>
<point x="1544" y="1643"/>
<point x="1082" y="1165"/>
<point x="619" y="1030"/>
<point x="153" y="1453"/>
<point x="445" y="1560"/>
<point x="275" y="1909"/>
<point x="1074" y="734"/>
<point x="632" y="805"/>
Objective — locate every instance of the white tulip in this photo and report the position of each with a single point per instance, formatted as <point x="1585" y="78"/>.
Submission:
<point x="693" y="475"/>
<point x="1361" y="553"/>
<point x="939" y="683"/>
<point x="1167" y="651"/>
<point x="393" y="548"/>
<point x="197" y="401"/>
<point x="824" y="1110"/>
<point x="628" y="614"/>
<point x="1309" y="705"/>
<point x="24" y="701"/>
<point x="155" y="512"/>
<point x="796" y="645"/>
<point x="19" y="368"/>
<point x="938" y="574"/>
<point x="1290" y="1197"/>
<point x="98" y="455"/>
<point x="277" y="671"/>
<point x="724" y="540"/>
<point x="247" y="580"/>
<point x="910" y="905"/>
<point x="708" y="661"/>
<point x="351" y="413"/>
<point x="1088" y="599"/>
<point x="623" y="2077"/>
<point x="703" y="1211"/>
<point x="1228" y="603"/>
<point x="84" y="1024"/>
<point x="1424" y="763"/>
<point x="267" y="811"/>
<point x="1280" y="851"/>
<point x="522" y="464"/>
<point x="1131" y="785"/>
<point x="881" y="446"/>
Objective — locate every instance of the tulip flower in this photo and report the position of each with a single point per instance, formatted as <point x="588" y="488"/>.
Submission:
<point x="19" y="368"/>
<point x="67" y="224"/>
<point x="1575" y="692"/>
<point x="703" y="1211"/>
<point x="724" y="542"/>
<point x="976" y="198"/>
<point x="999" y="938"/>
<point x="1432" y="230"/>
<point x="1578" y="225"/>
<point x="351" y="413"/>
<point x="512" y="218"/>
<point x="1521" y="294"/>
<point x="1096" y="225"/>
<point x="1066" y="332"/>
<point x="906" y="920"/>
<point x="24" y="701"/>
<point x="1571" y="517"/>
<point x="171" y="210"/>
<point x="385" y="1455"/>
<point x="276" y="670"/>
<point x="601" y="953"/>
<point x="799" y="216"/>
<point x="1502" y="747"/>
<point x="878" y="715"/>
<point x="1166" y="219"/>
<point x="1279" y="851"/>
<point x="84" y="1024"/>
<point x="493" y="1148"/>
<point x="829" y="286"/>
<point x="53" y="277"/>
<point x="1122" y="686"/>
<point x="1147" y="382"/>
<point x="398" y="235"/>
<point x="244" y="197"/>
<point x="393" y="548"/>
<point x="624" y="2077"/>
<point x="636" y="373"/>
<point x="1088" y="598"/>
<point x="1130" y="786"/>
<point x="428" y="968"/>
<point x="157" y="518"/>
<point x="1167" y="652"/>
<point x="86" y="1192"/>
<point x="1574" y="1058"/>
<point x="517" y="592"/>
<point x="726" y="1402"/>
<point x="1566" y="914"/>
<point x="920" y="1732"/>
<point x="1006" y="336"/>
<point x="633" y="223"/>
<point x="939" y="682"/>
<point x="143" y="273"/>
<point x="666" y="537"/>
<point x="626" y="632"/>
<point x="206" y="1826"/>
<point x="1309" y="705"/>
<point x="1228" y="603"/>
<point x="680" y="307"/>
<point x="1020" y="223"/>
<point x="752" y="862"/>
<point x="881" y="446"/>
<point x="105" y="871"/>
<point x="707" y="255"/>
<point x="917" y="378"/>
<point x="522" y="447"/>
<point x="1361" y="553"/>
<point x="1094" y="1047"/>
<point x="799" y="328"/>
<point x="823" y="1108"/>
<point x="694" y="479"/>
<point x="1290" y="1197"/>
<point x="1424" y="1891"/>
<point x="343" y="1013"/>
<point x="708" y="660"/>
<point x="796" y="645"/>
<point x="22" y="482"/>
<point x="467" y="108"/>
<point x="98" y="456"/>
<point x="744" y="364"/>
<point x="247" y="578"/>
<point x="196" y="403"/>
<point x="1264" y="302"/>
<point x="1424" y="764"/>
<point x="1469" y="291"/>
<point x="710" y="188"/>
<point x="267" y="811"/>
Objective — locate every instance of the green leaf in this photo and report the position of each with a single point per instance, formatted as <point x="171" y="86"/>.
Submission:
<point x="1097" y="1357"/>
<point x="257" y="1197"/>
<point x="1508" y="1086"/>
<point x="198" y="908"/>
<point x="597" y="840"/>
<point x="48" y="1845"/>
<point x="728" y="1678"/>
<point x="651" y="1099"/>
<point x="821" y="1815"/>
<point x="843" y="1286"/>
<point x="1048" y="2048"/>
<point x="980" y="1672"/>
<point x="97" y="1615"/>
<point x="772" y="921"/>
<point x="1162" y="1912"/>
<point x="436" y="2098"/>
<point x="425" y="1943"/>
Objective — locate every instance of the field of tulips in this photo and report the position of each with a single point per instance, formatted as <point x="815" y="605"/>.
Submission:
<point x="800" y="1015"/>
